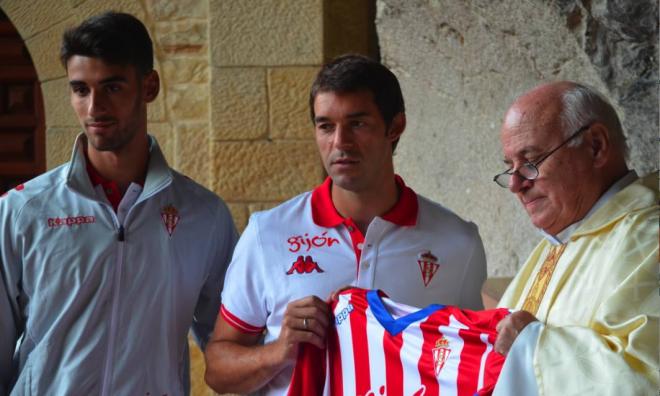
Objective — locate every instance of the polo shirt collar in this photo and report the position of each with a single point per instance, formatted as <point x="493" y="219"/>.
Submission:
<point x="324" y="213"/>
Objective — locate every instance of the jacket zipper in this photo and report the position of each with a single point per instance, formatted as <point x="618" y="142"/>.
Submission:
<point x="107" y="375"/>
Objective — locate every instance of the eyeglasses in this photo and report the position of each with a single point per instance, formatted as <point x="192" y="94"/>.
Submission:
<point x="530" y="171"/>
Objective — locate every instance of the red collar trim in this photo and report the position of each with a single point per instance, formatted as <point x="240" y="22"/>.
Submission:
<point x="324" y="214"/>
<point x="110" y="188"/>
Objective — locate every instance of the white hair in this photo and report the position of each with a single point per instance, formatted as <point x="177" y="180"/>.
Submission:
<point x="583" y="105"/>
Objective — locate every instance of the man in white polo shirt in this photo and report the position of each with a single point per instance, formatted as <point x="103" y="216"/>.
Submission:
<point x="363" y="226"/>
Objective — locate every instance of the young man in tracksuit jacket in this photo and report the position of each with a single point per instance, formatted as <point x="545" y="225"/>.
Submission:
<point x="107" y="261"/>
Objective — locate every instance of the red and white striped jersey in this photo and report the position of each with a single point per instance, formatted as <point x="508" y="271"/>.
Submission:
<point x="379" y="347"/>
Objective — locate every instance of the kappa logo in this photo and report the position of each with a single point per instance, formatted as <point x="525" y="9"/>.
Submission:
<point x="171" y="218"/>
<point x="343" y="314"/>
<point x="441" y="353"/>
<point x="54" y="222"/>
<point x="304" y="265"/>
<point x="428" y="265"/>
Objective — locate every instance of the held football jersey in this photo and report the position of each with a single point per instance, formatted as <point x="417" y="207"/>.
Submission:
<point x="380" y="347"/>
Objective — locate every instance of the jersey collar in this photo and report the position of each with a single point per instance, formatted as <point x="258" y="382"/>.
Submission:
<point x="404" y="212"/>
<point x="394" y="325"/>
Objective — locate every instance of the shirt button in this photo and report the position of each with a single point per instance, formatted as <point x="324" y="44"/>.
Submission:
<point x="360" y="245"/>
<point x="365" y="265"/>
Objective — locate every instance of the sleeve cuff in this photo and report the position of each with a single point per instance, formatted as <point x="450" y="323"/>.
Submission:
<point x="238" y="324"/>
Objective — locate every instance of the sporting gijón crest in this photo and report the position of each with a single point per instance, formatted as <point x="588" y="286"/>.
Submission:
<point x="170" y="216"/>
<point x="428" y="265"/>
<point x="304" y="265"/>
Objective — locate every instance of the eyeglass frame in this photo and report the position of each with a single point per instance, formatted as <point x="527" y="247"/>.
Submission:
<point x="510" y="172"/>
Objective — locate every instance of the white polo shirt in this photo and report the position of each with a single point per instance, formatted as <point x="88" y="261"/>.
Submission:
<point x="419" y="253"/>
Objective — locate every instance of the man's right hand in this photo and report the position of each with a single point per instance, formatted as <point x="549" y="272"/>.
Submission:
<point x="236" y="363"/>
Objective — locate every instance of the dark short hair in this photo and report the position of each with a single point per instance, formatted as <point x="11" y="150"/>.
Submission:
<point x="354" y="73"/>
<point x="114" y="37"/>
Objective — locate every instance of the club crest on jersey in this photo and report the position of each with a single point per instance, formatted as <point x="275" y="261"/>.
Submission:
<point x="170" y="216"/>
<point x="441" y="353"/>
<point x="304" y="265"/>
<point x="428" y="265"/>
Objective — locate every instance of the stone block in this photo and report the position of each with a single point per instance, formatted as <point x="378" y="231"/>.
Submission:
<point x="86" y="9"/>
<point x="57" y="105"/>
<point x="289" y="102"/>
<point x="59" y="145"/>
<point x="44" y="49"/>
<point x="188" y="102"/>
<point x="261" y="206"/>
<point x="32" y="17"/>
<point x="162" y="131"/>
<point x="239" y="212"/>
<point x="197" y="367"/>
<point x="239" y="103"/>
<point x="156" y="110"/>
<point x="185" y="70"/>
<point x="264" y="171"/>
<point x="182" y="38"/>
<point x="348" y="27"/>
<point x="167" y="10"/>
<point x="193" y="151"/>
<point x="264" y="33"/>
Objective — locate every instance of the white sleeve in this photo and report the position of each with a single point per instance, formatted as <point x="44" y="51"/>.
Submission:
<point x="244" y="296"/>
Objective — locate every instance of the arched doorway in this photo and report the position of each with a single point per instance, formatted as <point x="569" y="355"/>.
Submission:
<point x="22" y="142"/>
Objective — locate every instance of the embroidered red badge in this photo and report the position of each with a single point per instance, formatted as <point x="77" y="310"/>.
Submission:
<point x="304" y="266"/>
<point x="428" y="265"/>
<point x="440" y="354"/>
<point x="170" y="217"/>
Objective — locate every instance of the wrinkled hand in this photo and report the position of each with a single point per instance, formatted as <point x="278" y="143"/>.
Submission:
<point x="305" y="320"/>
<point x="509" y="328"/>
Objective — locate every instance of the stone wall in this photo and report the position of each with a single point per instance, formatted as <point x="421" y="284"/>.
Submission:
<point x="461" y="63"/>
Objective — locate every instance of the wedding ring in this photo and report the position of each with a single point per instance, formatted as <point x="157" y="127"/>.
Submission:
<point x="305" y="323"/>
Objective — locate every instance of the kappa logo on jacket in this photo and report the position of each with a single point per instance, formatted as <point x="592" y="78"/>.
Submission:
<point x="304" y="265"/>
<point x="54" y="222"/>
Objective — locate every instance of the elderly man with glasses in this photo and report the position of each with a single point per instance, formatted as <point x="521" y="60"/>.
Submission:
<point x="586" y="302"/>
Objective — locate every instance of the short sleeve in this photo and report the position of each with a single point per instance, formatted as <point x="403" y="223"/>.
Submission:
<point x="244" y="297"/>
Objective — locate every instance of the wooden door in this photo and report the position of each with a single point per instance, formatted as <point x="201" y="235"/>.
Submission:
<point x="22" y="141"/>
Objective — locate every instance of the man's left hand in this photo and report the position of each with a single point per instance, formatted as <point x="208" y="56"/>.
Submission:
<point x="509" y="328"/>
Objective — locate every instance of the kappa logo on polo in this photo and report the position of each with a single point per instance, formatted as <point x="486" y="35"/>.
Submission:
<point x="304" y="265"/>
<point x="54" y="222"/>
<point x="428" y="265"/>
<point x="170" y="216"/>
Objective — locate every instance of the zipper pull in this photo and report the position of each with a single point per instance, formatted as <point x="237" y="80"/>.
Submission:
<point x="120" y="237"/>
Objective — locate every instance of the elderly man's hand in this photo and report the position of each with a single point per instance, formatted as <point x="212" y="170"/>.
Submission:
<point x="509" y="328"/>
